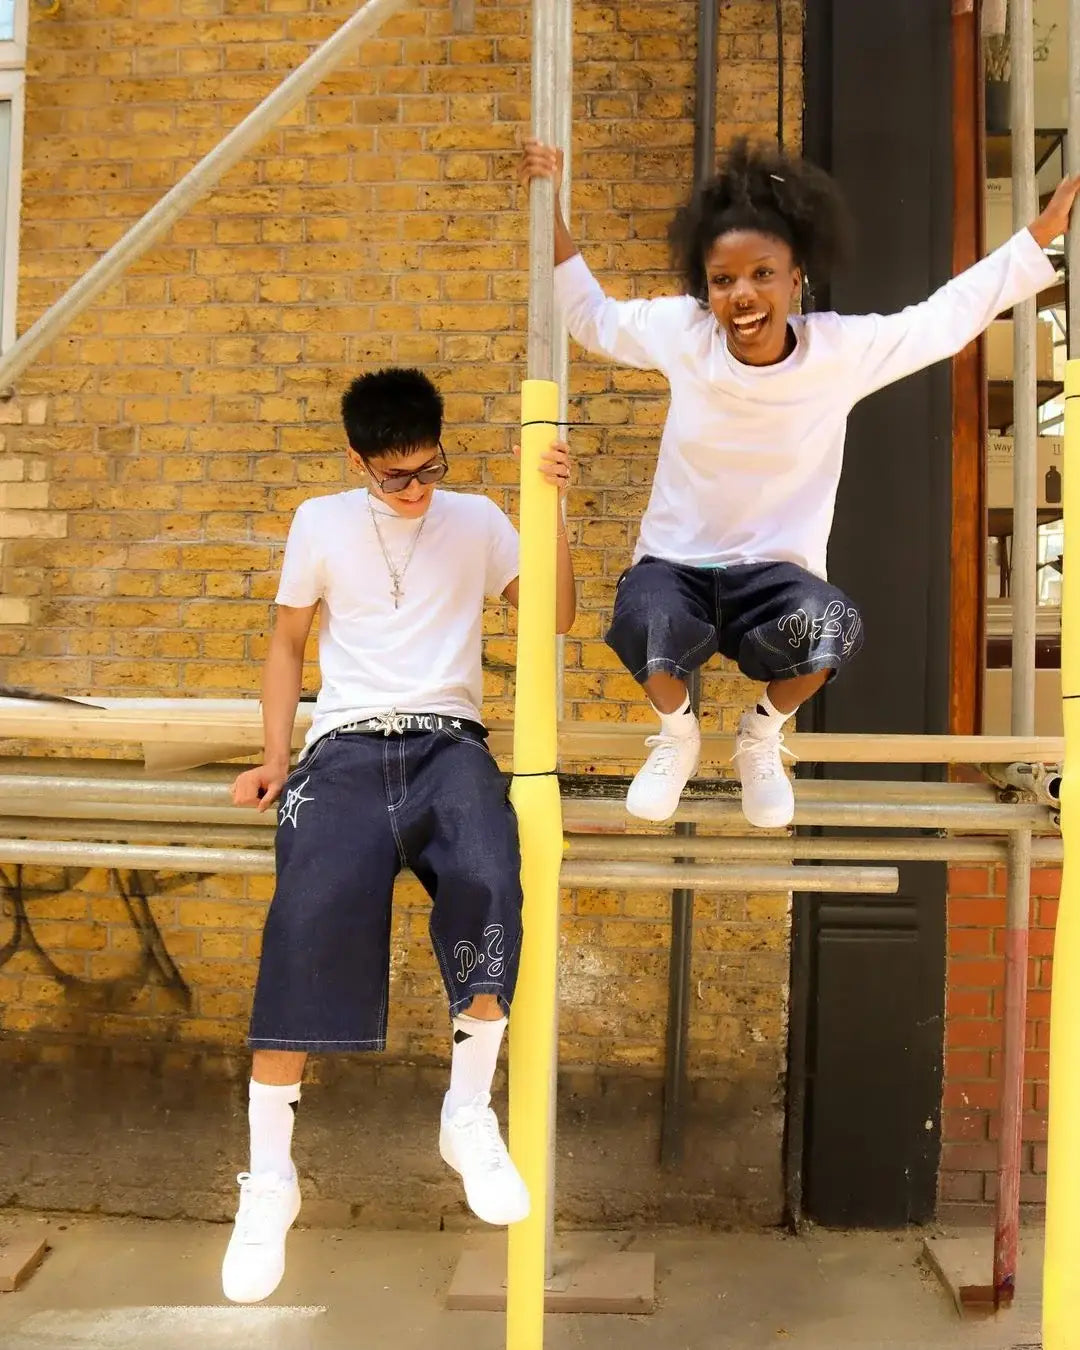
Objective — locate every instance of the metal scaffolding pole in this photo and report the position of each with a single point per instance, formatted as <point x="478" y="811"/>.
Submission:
<point x="564" y="136"/>
<point x="1025" y="392"/>
<point x="608" y="874"/>
<point x="1007" y="1227"/>
<point x="681" y="949"/>
<point x="966" y="817"/>
<point x="196" y="184"/>
<point x="541" y="346"/>
<point x="563" y="93"/>
<point x="804" y="849"/>
<point x="1061" y="1269"/>
<point x="535" y="791"/>
<point x="1023" y="583"/>
<point x="1072" y="144"/>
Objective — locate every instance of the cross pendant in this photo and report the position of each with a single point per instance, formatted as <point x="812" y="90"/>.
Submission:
<point x="397" y="592"/>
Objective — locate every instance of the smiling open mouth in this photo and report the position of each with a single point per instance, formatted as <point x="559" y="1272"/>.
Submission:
<point x="749" y="325"/>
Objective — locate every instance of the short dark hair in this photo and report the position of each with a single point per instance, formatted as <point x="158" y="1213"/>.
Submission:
<point x="761" y="188"/>
<point x="392" y="411"/>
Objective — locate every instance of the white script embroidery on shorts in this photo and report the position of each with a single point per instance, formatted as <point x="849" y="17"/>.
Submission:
<point x="494" y="934"/>
<point x="800" y="626"/>
<point x="466" y="956"/>
<point x="493" y="957"/>
<point x="294" y="799"/>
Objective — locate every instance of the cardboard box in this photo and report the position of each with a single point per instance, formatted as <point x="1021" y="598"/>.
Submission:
<point x="999" y="350"/>
<point x="999" y="471"/>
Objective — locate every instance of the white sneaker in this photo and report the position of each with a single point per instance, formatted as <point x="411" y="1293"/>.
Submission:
<point x="470" y="1143"/>
<point x="255" y="1260"/>
<point x="654" y="794"/>
<point x="768" y="799"/>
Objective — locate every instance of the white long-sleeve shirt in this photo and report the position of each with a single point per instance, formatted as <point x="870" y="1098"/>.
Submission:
<point x="750" y="456"/>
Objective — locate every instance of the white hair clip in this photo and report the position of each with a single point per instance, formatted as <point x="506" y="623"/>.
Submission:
<point x="776" y="178"/>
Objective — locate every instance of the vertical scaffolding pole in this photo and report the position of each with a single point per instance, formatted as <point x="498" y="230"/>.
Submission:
<point x="1025" y="393"/>
<point x="542" y="341"/>
<point x="535" y="789"/>
<point x="1072" y="144"/>
<point x="564" y="135"/>
<point x="1061" y="1269"/>
<point x="1024" y="537"/>
<point x="681" y="946"/>
<point x="1006" y="1232"/>
<point x="564" y="132"/>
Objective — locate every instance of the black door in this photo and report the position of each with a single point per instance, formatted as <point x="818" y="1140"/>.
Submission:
<point x="868" y="973"/>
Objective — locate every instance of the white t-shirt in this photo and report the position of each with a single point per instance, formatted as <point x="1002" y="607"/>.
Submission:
<point x="750" y="456"/>
<point x="423" y="656"/>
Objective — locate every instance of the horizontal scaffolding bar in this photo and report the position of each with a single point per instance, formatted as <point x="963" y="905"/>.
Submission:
<point x="966" y="817"/>
<point x="876" y="848"/>
<point x="237" y="724"/>
<point x="105" y="782"/>
<point x="731" y="877"/>
<point x="614" y="875"/>
<point x="964" y="808"/>
<point x="134" y="832"/>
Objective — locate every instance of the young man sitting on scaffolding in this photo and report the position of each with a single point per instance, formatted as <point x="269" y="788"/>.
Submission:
<point x="395" y="774"/>
<point x="731" y="555"/>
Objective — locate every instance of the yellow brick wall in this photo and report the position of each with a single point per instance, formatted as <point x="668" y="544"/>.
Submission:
<point x="153" y="456"/>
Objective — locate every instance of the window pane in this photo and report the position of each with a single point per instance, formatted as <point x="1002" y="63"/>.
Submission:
<point x="7" y="20"/>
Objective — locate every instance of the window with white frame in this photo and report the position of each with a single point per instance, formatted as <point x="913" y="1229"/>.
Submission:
<point x="13" y="26"/>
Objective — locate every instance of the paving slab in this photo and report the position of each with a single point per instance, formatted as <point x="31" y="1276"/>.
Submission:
<point x="154" y="1285"/>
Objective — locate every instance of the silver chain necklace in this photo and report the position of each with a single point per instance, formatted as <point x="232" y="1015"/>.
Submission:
<point x="397" y="576"/>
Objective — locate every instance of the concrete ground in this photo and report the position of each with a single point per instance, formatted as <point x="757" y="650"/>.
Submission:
<point x="112" y="1283"/>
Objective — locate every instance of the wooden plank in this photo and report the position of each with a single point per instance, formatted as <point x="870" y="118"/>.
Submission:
<point x="20" y="1256"/>
<point x="625" y="743"/>
<point x="235" y="723"/>
<point x="176" y="758"/>
<point x="967" y="578"/>
<point x="965" y="1267"/>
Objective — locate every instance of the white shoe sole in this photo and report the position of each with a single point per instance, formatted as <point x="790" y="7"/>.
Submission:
<point x="246" y="1296"/>
<point x="773" y="818"/>
<point x="655" y="814"/>
<point x="651" y="815"/>
<point x="446" y="1152"/>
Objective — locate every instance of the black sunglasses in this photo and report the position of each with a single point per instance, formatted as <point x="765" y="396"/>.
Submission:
<point x="431" y="472"/>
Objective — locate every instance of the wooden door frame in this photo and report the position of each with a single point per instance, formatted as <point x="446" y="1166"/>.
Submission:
<point x="969" y="420"/>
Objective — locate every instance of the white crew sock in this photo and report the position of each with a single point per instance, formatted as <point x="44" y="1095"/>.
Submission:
<point x="475" y="1055"/>
<point x="271" y="1112"/>
<point x="765" y="720"/>
<point x="681" y="722"/>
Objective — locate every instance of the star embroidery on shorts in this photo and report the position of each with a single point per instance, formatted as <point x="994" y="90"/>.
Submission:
<point x="456" y="725"/>
<point x="294" y="799"/>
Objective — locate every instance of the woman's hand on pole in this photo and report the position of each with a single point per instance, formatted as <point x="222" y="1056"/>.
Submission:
<point x="541" y="161"/>
<point x="1054" y="220"/>
<point x="546" y="161"/>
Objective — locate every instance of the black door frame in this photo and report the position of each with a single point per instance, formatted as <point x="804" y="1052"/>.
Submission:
<point x="854" y="89"/>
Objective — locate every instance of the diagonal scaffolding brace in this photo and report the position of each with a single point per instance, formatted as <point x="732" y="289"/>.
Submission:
<point x="195" y="185"/>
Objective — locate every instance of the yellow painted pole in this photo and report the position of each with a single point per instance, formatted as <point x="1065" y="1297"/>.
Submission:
<point x="1061" y="1277"/>
<point x="535" y="795"/>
